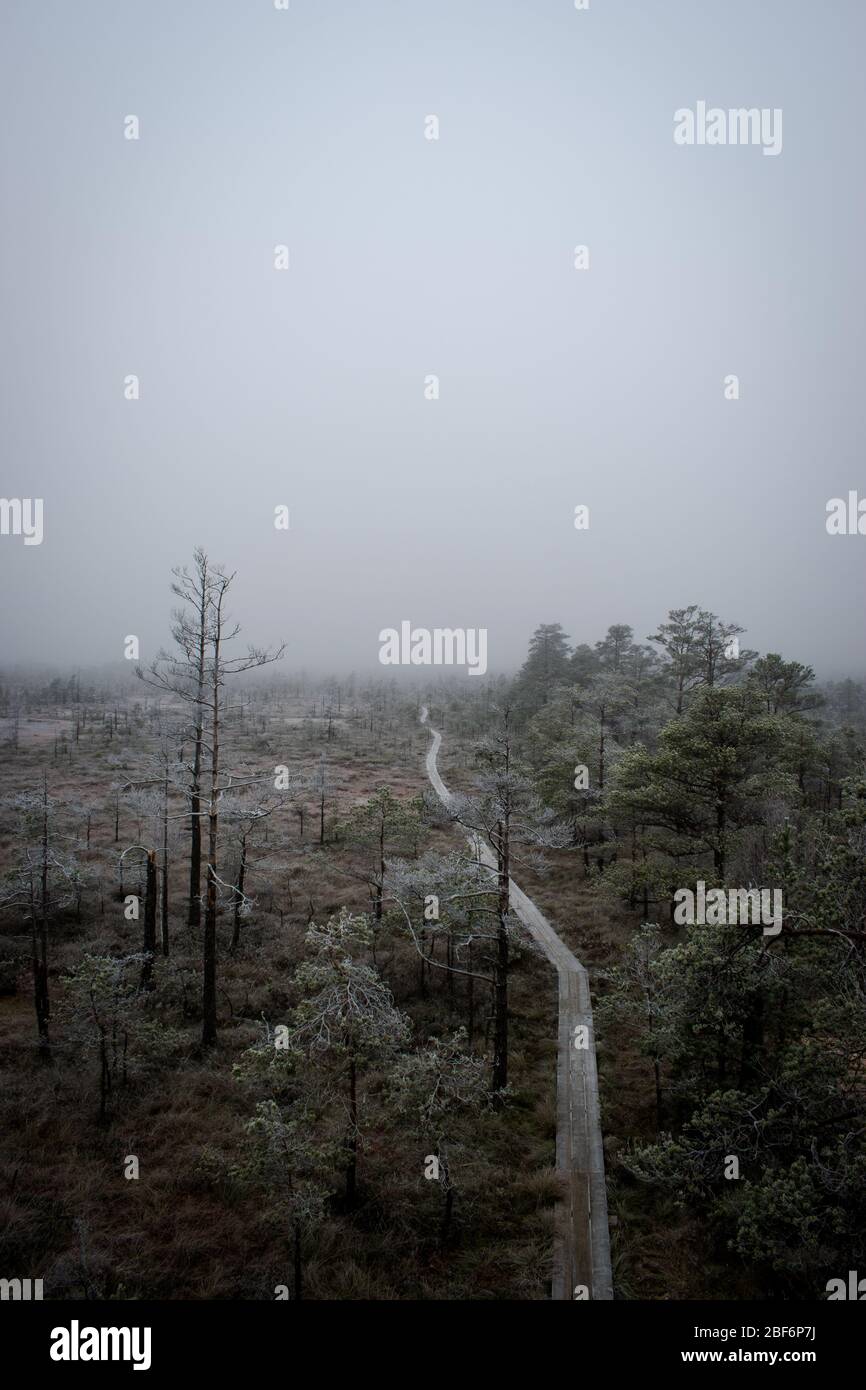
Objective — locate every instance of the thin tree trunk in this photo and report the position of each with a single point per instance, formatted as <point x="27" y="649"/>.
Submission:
<point x="422" y="963"/>
<point x="40" y="975"/>
<point x="194" y="912"/>
<point x="658" y="1088"/>
<point x="500" y="1032"/>
<point x="209" y="1002"/>
<point x="470" y="995"/>
<point x="149" y="943"/>
<point x="381" y="882"/>
<point x="40" y="941"/>
<point x="165" y="870"/>
<point x="719" y="848"/>
<point x="447" y="1206"/>
<point x="449" y="961"/>
<point x="239" y="895"/>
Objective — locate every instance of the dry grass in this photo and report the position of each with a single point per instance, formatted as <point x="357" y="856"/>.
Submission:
<point x="186" y="1229"/>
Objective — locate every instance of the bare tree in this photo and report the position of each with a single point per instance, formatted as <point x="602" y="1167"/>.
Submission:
<point x="218" y="668"/>
<point x="44" y="882"/>
<point x="148" y="945"/>
<point x="247" y="818"/>
<point x="507" y="814"/>
<point x="196" y="674"/>
<point x="182" y="674"/>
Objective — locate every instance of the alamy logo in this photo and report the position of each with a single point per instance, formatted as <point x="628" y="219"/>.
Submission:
<point x="21" y="1290"/>
<point x="847" y="520"/>
<point x="856" y="1289"/>
<point x="76" y="1343"/>
<point x="22" y="516"/>
<point x="444" y="646"/>
<point x="720" y="907"/>
<point x="739" y="126"/>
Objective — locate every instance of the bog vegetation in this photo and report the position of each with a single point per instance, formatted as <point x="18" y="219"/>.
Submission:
<point x="241" y="942"/>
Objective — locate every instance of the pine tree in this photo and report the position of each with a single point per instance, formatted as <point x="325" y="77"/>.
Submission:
<point x="546" y="667"/>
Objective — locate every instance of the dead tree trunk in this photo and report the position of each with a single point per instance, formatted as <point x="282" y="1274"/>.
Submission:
<point x="239" y="897"/>
<point x="500" y="1031"/>
<point x="209" y="1005"/>
<point x="165" y="869"/>
<point x="194" y="911"/>
<point x="149" y="942"/>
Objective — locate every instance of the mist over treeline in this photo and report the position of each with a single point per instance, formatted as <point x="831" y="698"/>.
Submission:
<point x="70" y="680"/>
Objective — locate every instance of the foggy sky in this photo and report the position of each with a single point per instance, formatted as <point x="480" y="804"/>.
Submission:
<point x="411" y="257"/>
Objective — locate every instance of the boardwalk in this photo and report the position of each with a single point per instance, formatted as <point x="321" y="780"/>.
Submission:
<point x="582" y="1254"/>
